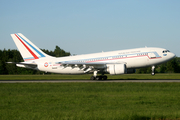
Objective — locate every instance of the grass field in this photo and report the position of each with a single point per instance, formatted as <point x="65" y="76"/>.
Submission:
<point x="90" y="101"/>
<point x="87" y="76"/>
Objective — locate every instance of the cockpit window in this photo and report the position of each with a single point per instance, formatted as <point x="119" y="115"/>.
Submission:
<point x="165" y="51"/>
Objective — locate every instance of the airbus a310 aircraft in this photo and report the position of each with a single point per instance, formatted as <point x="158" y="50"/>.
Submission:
<point x="114" y="63"/>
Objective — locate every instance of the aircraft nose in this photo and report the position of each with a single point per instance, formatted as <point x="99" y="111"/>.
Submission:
<point x="173" y="55"/>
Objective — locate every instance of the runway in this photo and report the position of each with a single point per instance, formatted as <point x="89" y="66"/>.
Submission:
<point x="86" y="81"/>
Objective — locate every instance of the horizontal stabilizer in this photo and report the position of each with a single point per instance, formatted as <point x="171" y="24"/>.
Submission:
<point x="24" y="64"/>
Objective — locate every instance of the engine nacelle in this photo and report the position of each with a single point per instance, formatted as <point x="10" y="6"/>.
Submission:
<point x="115" y="69"/>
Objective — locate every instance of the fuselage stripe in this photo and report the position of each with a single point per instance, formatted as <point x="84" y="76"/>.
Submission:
<point x="93" y="60"/>
<point x="121" y="58"/>
<point x="32" y="47"/>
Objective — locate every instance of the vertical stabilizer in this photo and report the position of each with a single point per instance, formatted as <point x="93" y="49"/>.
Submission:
<point x="27" y="49"/>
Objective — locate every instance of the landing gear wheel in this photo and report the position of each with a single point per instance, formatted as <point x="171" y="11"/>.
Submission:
<point x="101" y="77"/>
<point x="97" y="78"/>
<point x="104" y="77"/>
<point x="93" y="78"/>
<point x="152" y="74"/>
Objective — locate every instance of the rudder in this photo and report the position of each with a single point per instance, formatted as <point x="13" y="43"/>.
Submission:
<point x="28" y="50"/>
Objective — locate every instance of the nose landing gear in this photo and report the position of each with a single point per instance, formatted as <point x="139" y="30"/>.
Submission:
<point x="153" y="73"/>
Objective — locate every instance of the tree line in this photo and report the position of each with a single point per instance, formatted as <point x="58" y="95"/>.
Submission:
<point x="172" y="66"/>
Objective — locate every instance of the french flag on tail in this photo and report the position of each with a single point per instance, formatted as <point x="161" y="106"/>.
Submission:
<point x="28" y="50"/>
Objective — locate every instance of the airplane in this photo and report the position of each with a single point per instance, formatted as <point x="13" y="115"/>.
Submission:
<point x="114" y="62"/>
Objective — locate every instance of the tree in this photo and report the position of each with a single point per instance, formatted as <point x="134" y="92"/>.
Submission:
<point x="162" y="68"/>
<point x="60" y="52"/>
<point x="173" y="66"/>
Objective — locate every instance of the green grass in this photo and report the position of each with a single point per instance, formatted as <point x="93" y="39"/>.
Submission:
<point x="87" y="76"/>
<point x="104" y="101"/>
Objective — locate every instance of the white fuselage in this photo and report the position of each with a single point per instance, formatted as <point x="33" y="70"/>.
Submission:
<point x="133" y="58"/>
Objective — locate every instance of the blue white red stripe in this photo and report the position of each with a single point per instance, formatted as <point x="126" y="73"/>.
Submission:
<point x="23" y="41"/>
<point x="32" y="53"/>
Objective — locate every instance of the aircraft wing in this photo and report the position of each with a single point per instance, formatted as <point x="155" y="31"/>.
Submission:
<point x="89" y="66"/>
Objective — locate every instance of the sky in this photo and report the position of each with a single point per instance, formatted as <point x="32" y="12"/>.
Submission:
<point x="90" y="26"/>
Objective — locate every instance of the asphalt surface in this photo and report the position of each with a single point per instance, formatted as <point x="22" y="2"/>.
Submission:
<point x="62" y="81"/>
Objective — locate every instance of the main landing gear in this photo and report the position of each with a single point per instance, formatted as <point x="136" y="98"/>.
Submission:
<point x="153" y="73"/>
<point x="101" y="77"/>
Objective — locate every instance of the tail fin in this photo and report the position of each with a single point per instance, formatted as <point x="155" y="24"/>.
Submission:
<point x="27" y="49"/>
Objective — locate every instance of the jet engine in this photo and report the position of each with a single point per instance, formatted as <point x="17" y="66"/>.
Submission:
<point x="115" y="69"/>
